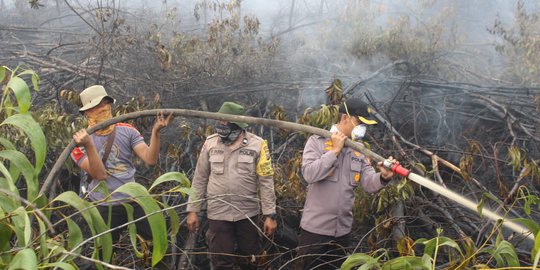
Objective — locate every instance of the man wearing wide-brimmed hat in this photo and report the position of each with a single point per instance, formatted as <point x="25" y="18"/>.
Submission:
<point x="332" y="172"/>
<point x="234" y="175"/>
<point x="116" y="143"/>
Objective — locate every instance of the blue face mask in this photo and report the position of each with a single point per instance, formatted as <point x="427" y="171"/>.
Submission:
<point x="358" y="132"/>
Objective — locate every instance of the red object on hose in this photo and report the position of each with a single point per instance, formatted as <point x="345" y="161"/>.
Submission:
<point x="396" y="168"/>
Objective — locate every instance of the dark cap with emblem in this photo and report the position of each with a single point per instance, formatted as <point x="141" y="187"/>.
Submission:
<point x="358" y="108"/>
<point x="234" y="109"/>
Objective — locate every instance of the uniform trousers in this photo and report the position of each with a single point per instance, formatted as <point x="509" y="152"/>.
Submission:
<point x="316" y="251"/>
<point x="227" y="238"/>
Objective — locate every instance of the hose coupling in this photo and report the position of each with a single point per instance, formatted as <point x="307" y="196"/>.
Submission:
<point x="396" y="167"/>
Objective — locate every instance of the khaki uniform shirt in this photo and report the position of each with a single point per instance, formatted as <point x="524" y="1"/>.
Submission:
<point x="331" y="183"/>
<point x="232" y="179"/>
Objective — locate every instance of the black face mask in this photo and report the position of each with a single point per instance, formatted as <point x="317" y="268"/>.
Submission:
<point x="228" y="133"/>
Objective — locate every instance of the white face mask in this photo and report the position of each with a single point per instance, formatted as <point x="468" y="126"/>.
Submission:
<point x="358" y="132"/>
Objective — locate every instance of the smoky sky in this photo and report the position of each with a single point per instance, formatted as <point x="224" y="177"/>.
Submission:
<point x="314" y="35"/>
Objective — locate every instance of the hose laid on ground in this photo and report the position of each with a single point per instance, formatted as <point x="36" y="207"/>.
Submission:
<point x="396" y="167"/>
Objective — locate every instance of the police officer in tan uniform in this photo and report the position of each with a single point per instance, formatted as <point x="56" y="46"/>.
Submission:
<point x="234" y="175"/>
<point x="333" y="171"/>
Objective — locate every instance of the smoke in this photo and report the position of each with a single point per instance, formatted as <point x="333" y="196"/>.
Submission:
<point x="318" y="35"/>
<point x="320" y="40"/>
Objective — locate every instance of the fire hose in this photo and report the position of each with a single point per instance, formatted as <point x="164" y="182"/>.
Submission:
<point x="394" y="166"/>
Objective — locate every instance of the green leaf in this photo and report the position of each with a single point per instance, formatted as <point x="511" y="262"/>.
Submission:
<point x="24" y="260"/>
<point x="42" y="202"/>
<point x="132" y="230"/>
<point x="420" y="241"/>
<point x="42" y="239"/>
<point x="7" y="144"/>
<point x="493" y="198"/>
<point x="5" y="235"/>
<point x="8" y="183"/>
<point x="23" y="227"/>
<point x="22" y="93"/>
<point x="156" y="220"/>
<point x="28" y="125"/>
<point x="480" y="206"/>
<point x="20" y="161"/>
<point x="10" y="146"/>
<point x="445" y="241"/>
<point x="529" y="223"/>
<point x="504" y="251"/>
<point x="25" y="72"/>
<point x="172" y="176"/>
<point x="509" y="253"/>
<point x="35" y="81"/>
<point x="2" y="73"/>
<point x="174" y="220"/>
<point x="75" y="236"/>
<point x="430" y="246"/>
<point x="405" y="262"/>
<point x="56" y="247"/>
<point x="527" y="207"/>
<point x="427" y="261"/>
<point x="63" y="265"/>
<point x="34" y="77"/>
<point x="103" y="189"/>
<point x="94" y="220"/>
<point x="498" y="258"/>
<point x="359" y="259"/>
<point x="470" y="249"/>
<point x="7" y="203"/>
<point x="536" y="250"/>
<point x="183" y="190"/>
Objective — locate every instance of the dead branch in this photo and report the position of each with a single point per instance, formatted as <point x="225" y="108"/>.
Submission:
<point x="440" y="207"/>
<point x="425" y="151"/>
<point x="501" y="111"/>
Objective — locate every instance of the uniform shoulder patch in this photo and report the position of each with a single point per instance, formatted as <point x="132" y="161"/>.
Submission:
<point x="328" y="145"/>
<point x="264" y="166"/>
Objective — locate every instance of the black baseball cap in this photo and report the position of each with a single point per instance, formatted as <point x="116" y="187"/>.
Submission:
<point x="358" y="108"/>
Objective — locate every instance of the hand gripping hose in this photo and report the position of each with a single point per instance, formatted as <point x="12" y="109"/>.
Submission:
<point x="396" y="168"/>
